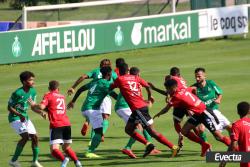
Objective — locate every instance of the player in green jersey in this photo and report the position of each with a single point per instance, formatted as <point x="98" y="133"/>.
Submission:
<point x="107" y="103"/>
<point x="91" y="108"/>
<point x="19" y="120"/>
<point x="211" y="94"/>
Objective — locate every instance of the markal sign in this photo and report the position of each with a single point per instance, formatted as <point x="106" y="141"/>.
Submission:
<point x="171" y="31"/>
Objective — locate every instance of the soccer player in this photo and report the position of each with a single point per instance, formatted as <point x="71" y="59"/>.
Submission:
<point x="211" y="95"/>
<point x="60" y="129"/>
<point x="19" y="120"/>
<point x="196" y="108"/>
<point x="107" y="103"/>
<point x="178" y="112"/>
<point x="123" y="111"/>
<point x="118" y="63"/>
<point x="98" y="90"/>
<point x="131" y="89"/>
<point x="241" y="132"/>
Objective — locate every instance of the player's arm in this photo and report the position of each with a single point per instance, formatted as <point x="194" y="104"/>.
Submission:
<point x="113" y="94"/>
<point x="71" y="90"/>
<point x="37" y="108"/>
<point x="163" y="111"/>
<point x="78" y="93"/>
<point x="157" y="89"/>
<point x="218" y="92"/>
<point x="218" y="99"/>
<point x="11" y="107"/>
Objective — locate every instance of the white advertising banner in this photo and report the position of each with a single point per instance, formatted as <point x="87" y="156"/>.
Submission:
<point x="223" y="21"/>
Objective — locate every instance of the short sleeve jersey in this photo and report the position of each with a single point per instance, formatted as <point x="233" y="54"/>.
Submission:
<point x="241" y="134"/>
<point x="181" y="83"/>
<point x="188" y="101"/>
<point x="98" y="89"/>
<point x="131" y="89"/>
<point x="19" y="101"/>
<point x="120" y="102"/>
<point x="55" y="105"/>
<point x="96" y="74"/>
<point x="209" y="93"/>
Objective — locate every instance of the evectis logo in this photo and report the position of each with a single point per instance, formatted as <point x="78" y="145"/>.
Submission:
<point x="171" y="31"/>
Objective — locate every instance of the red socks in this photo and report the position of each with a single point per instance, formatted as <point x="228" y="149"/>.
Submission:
<point x="139" y="138"/>
<point x="193" y="137"/>
<point x="177" y="127"/>
<point x="162" y="139"/>
<point x="57" y="154"/>
<point x="71" y="154"/>
<point x="226" y="140"/>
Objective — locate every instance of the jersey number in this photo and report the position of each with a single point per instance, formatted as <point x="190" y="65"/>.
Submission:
<point x="190" y="95"/>
<point x="132" y="86"/>
<point x="60" y="108"/>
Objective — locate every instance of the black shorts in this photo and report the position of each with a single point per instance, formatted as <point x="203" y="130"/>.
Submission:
<point x="60" y="135"/>
<point x="204" y="118"/>
<point x="141" y="116"/>
<point x="179" y="114"/>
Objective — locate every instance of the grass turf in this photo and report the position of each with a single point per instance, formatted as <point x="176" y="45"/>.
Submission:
<point x="226" y="61"/>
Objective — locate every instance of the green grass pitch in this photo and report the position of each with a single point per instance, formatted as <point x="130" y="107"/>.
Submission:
<point x="227" y="62"/>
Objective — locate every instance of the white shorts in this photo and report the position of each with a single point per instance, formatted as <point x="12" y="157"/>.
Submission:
<point x="95" y="118"/>
<point x="106" y="105"/>
<point x="224" y="122"/>
<point x="124" y="113"/>
<point x="23" y="127"/>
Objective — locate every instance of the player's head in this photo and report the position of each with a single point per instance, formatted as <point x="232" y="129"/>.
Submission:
<point x="105" y="62"/>
<point x="175" y="71"/>
<point x="167" y="77"/>
<point x="27" y="78"/>
<point x="171" y="85"/>
<point x="119" y="62"/>
<point x="53" y="85"/>
<point x="243" y="108"/>
<point x="134" y="71"/>
<point x="106" y="72"/>
<point x="123" y="69"/>
<point x="200" y="74"/>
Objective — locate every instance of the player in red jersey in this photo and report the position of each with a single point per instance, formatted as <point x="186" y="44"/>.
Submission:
<point x="118" y="63"/>
<point x="240" y="136"/>
<point x="60" y="129"/>
<point x="196" y="109"/>
<point x="178" y="112"/>
<point x="131" y="89"/>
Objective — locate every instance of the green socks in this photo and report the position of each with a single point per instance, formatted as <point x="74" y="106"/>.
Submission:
<point x="18" y="152"/>
<point x="147" y="136"/>
<point x="105" y="125"/>
<point x="36" y="151"/>
<point x="95" y="142"/>
<point x="203" y="136"/>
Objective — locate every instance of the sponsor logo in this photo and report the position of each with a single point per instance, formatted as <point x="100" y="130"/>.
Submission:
<point x="119" y="37"/>
<point x="64" y="42"/>
<point x="16" y="48"/>
<point x="228" y="157"/>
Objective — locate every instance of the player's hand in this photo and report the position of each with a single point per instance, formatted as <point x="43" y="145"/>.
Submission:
<point x="22" y="118"/>
<point x="156" y="115"/>
<point x="217" y="101"/>
<point x="151" y="85"/>
<point x="31" y="102"/>
<point x="71" y="91"/>
<point x="70" y="105"/>
<point x="222" y="164"/>
<point x="44" y="115"/>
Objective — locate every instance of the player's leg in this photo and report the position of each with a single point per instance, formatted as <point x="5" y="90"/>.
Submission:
<point x="66" y="146"/>
<point x="200" y="130"/>
<point x="34" y="143"/>
<point x="212" y="126"/>
<point x="224" y="122"/>
<point x="191" y="123"/>
<point x="85" y="127"/>
<point x="124" y="113"/>
<point x="21" y="129"/>
<point x="96" y="121"/>
<point x="106" y="108"/>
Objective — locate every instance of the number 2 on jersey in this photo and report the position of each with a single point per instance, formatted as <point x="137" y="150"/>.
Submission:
<point x="60" y="108"/>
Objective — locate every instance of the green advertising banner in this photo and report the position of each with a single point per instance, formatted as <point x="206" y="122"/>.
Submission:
<point x="68" y="41"/>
